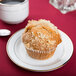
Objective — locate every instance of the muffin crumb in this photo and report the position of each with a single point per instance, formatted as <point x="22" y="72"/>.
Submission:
<point x="41" y="35"/>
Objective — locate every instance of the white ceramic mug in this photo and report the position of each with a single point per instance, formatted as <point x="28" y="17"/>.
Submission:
<point x="14" y="13"/>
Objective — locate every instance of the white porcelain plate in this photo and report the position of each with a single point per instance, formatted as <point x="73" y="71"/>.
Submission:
<point x="17" y="53"/>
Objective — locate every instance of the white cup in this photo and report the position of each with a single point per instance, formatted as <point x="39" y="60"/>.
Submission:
<point x="14" y="13"/>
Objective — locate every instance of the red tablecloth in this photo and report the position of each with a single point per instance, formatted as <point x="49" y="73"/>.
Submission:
<point x="40" y="9"/>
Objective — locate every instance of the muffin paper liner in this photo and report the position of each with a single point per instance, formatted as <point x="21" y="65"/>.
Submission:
<point x="38" y="51"/>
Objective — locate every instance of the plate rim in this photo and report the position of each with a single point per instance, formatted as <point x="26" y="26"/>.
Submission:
<point x="33" y="69"/>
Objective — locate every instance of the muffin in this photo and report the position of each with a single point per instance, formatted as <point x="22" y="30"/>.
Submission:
<point x="40" y="39"/>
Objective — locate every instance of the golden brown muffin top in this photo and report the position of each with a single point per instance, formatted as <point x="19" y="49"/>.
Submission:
<point x="41" y="35"/>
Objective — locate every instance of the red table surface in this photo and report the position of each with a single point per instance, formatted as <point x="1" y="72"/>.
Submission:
<point x="40" y="9"/>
